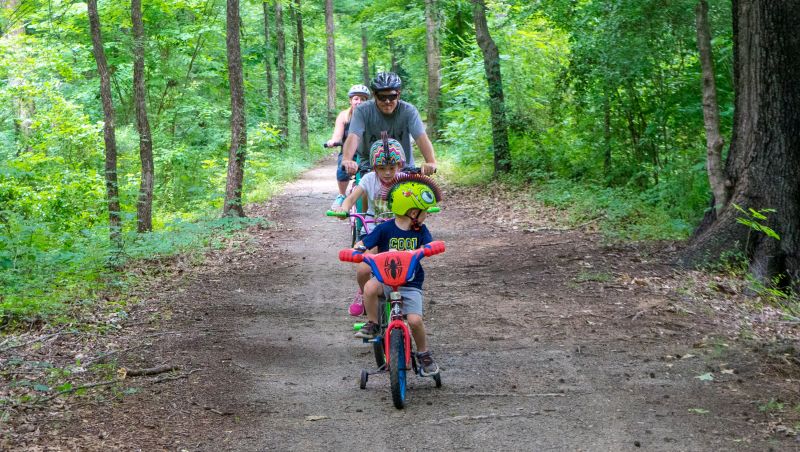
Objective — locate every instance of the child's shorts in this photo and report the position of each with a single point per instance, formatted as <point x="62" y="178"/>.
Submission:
<point x="412" y="299"/>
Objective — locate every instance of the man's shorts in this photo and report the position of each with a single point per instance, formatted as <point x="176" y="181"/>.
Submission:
<point x="412" y="299"/>
<point x="341" y="175"/>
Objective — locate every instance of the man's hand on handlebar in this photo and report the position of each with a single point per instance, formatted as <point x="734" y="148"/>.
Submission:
<point x="350" y="166"/>
<point x="428" y="168"/>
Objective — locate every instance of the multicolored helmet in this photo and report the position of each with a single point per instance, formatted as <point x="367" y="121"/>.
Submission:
<point x="412" y="191"/>
<point x="358" y="90"/>
<point x="391" y="154"/>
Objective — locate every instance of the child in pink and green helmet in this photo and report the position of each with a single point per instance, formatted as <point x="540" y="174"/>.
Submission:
<point x="387" y="159"/>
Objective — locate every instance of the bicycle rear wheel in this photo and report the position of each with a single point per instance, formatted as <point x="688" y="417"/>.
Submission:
<point x="379" y="347"/>
<point x="397" y="368"/>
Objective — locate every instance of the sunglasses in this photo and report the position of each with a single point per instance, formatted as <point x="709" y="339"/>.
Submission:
<point x="387" y="97"/>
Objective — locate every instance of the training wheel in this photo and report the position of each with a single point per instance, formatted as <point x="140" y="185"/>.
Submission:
<point x="438" y="379"/>
<point x="363" y="381"/>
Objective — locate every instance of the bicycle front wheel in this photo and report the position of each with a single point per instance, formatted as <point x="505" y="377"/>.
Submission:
<point x="397" y="368"/>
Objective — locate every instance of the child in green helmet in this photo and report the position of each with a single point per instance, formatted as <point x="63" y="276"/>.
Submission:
<point x="409" y="198"/>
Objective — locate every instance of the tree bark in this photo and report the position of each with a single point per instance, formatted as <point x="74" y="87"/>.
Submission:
<point x="331" y="61"/>
<point x="763" y="164"/>
<point x="283" y="103"/>
<point x="293" y="20"/>
<point x="491" y="64"/>
<point x="434" y="64"/>
<point x="364" y="56"/>
<point x="109" y="136"/>
<point x="267" y="57"/>
<point x="144" y="206"/>
<point x="301" y="74"/>
<point x="714" y="141"/>
<point x="237" y="153"/>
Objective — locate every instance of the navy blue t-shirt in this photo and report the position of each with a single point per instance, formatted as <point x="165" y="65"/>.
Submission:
<point x="388" y="236"/>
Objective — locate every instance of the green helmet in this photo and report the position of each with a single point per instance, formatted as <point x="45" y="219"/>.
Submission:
<point x="412" y="191"/>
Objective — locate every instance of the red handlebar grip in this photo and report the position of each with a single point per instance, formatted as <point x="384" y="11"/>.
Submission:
<point x="432" y="248"/>
<point x="351" y="255"/>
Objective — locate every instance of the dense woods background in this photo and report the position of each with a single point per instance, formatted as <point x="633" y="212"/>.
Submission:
<point x="602" y="100"/>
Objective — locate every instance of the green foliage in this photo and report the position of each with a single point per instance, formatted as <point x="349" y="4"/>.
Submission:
<point x="603" y="101"/>
<point x="620" y="213"/>
<point x="754" y="219"/>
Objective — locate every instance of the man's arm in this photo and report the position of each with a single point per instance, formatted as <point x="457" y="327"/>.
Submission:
<point x="349" y="151"/>
<point x="426" y="148"/>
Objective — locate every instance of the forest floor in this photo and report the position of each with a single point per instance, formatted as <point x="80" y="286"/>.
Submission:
<point x="548" y="339"/>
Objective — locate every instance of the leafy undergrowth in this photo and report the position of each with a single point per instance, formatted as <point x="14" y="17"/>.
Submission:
<point x="89" y="356"/>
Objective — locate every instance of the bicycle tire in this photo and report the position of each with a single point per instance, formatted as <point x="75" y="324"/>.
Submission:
<point x="377" y="350"/>
<point x="397" y="368"/>
<point x="354" y="234"/>
<point x="378" y="347"/>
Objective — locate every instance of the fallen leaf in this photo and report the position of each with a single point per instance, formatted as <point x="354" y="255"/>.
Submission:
<point x="705" y="377"/>
<point x="316" y="418"/>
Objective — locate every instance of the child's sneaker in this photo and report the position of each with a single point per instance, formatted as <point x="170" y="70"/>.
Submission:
<point x="357" y="306"/>
<point x="338" y="201"/>
<point x="368" y="331"/>
<point x="427" y="366"/>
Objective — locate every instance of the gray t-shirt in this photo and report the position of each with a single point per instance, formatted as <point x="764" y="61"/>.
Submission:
<point x="403" y="124"/>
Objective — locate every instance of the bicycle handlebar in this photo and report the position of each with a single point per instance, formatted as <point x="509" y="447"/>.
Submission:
<point x="334" y="145"/>
<point x="333" y="213"/>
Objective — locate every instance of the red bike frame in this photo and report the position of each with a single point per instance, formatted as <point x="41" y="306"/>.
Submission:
<point x="395" y="269"/>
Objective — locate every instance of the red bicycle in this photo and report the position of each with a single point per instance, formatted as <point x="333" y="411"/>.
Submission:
<point x="393" y="342"/>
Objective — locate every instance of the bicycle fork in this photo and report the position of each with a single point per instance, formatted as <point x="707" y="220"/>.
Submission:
<point x="397" y="323"/>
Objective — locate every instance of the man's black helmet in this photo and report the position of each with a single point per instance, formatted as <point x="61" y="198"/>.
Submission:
<point x="386" y="80"/>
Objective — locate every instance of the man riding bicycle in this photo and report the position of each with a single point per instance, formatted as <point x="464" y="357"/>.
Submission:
<point x="386" y="112"/>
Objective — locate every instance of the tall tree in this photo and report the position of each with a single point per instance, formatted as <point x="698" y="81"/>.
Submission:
<point x="283" y="103"/>
<point x="491" y="64"/>
<point x="364" y="56"/>
<point x="763" y="166"/>
<point x="331" y="60"/>
<point x="301" y="73"/>
<point x="144" y="206"/>
<point x="109" y="135"/>
<point x="267" y="56"/>
<point x="714" y="141"/>
<point x="237" y="153"/>
<point x="434" y="63"/>
<point x="24" y="107"/>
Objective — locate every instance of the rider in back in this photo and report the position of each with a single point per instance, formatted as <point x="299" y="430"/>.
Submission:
<point x="409" y="198"/>
<point x="357" y="95"/>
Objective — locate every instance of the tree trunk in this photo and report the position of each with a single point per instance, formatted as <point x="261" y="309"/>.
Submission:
<point x="763" y="164"/>
<point x="267" y="63"/>
<point x="606" y="132"/>
<point x="491" y="63"/>
<point x="237" y="153"/>
<point x="434" y="63"/>
<point x="25" y="107"/>
<point x="293" y="20"/>
<point x="331" y="61"/>
<point x="714" y="141"/>
<point x="301" y="74"/>
<point x="283" y="103"/>
<point x="112" y="187"/>
<point x="364" y="56"/>
<point x="144" y="206"/>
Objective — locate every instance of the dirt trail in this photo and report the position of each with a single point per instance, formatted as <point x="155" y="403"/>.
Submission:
<point x="548" y="341"/>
